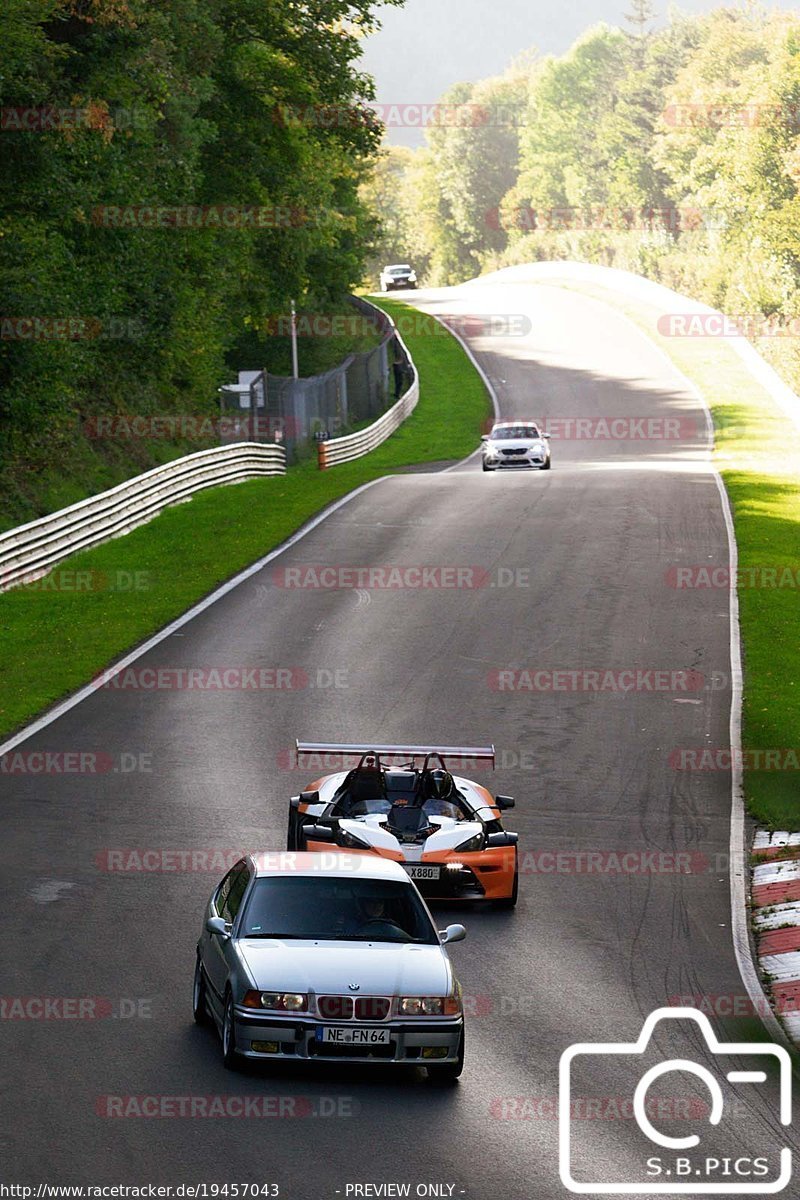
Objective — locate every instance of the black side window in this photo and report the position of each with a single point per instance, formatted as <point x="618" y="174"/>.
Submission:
<point x="223" y="891"/>
<point x="239" y="881"/>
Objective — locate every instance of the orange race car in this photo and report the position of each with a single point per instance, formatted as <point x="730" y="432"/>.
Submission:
<point x="444" y="829"/>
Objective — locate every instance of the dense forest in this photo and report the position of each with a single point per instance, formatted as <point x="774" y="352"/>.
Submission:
<point x="673" y="152"/>
<point x="174" y="173"/>
<point x="165" y="189"/>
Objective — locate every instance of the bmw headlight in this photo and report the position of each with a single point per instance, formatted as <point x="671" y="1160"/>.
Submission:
<point x="276" y="1001"/>
<point x="421" y="1006"/>
<point x="430" y="1006"/>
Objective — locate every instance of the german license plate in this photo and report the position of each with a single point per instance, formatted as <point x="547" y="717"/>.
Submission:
<point x="418" y="871"/>
<point x="353" y="1037"/>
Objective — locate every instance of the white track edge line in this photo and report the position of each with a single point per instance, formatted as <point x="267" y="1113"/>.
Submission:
<point x="742" y="947"/>
<point x="90" y="689"/>
<point x="486" y="382"/>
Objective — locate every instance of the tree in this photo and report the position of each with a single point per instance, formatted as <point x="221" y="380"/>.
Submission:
<point x="178" y="105"/>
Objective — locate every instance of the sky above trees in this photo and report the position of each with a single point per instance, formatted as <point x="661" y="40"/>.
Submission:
<point x="426" y="46"/>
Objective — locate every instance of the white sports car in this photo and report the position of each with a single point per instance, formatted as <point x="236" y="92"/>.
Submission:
<point x="516" y="444"/>
<point x="328" y="957"/>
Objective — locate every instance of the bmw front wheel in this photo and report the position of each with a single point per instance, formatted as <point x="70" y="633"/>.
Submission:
<point x="229" y="1056"/>
<point x="199" y="995"/>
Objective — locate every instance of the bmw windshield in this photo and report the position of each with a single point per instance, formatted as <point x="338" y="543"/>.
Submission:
<point x="329" y="909"/>
<point x="504" y="433"/>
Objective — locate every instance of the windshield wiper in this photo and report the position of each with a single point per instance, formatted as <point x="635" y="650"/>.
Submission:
<point x="285" y="937"/>
<point x="372" y="937"/>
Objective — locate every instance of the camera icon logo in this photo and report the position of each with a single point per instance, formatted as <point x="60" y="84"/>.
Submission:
<point x="686" y="1168"/>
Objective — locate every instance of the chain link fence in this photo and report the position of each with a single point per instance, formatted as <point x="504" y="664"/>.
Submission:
<point x="298" y="412"/>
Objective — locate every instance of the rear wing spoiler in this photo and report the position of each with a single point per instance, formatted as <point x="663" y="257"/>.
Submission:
<point x="469" y="753"/>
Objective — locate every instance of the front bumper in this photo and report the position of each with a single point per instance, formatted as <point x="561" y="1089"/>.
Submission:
<point x="485" y="876"/>
<point x="472" y="875"/>
<point x="516" y="460"/>
<point x="295" y="1038"/>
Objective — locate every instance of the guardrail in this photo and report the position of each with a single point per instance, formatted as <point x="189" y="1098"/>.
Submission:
<point x="353" y="445"/>
<point x="29" y="551"/>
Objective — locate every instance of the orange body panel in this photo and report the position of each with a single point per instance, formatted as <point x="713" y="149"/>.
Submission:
<point x="494" y="868"/>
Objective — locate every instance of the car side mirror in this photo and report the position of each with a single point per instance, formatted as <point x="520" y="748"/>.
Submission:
<point x="484" y="437"/>
<point x="319" y="833"/>
<point x="309" y="797"/>
<point x="453" y="933"/>
<point x="546" y="435"/>
<point x="219" y="926"/>
<point x="504" y="802"/>
<point x="501" y="839"/>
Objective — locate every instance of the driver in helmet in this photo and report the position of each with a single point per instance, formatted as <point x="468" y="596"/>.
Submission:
<point x="441" y="793"/>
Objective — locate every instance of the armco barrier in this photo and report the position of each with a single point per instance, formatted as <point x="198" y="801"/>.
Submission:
<point x="353" y="445"/>
<point x="344" y="449"/>
<point x="30" y="550"/>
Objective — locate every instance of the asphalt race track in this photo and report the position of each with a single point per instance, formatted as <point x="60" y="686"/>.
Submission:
<point x="573" y="575"/>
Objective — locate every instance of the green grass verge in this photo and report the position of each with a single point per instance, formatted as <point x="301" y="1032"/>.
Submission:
<point x="52" y="641"/>
<point x="68" y="462"/>
<point x="756" y="454"/>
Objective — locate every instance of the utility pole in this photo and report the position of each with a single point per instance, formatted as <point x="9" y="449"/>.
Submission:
<point x="295" y="371"/>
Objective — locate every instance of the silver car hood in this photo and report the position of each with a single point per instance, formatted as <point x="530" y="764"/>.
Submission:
<point x="380" y="969"/>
